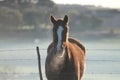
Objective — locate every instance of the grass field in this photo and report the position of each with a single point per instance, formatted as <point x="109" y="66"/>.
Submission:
<point x="19" y="61"/>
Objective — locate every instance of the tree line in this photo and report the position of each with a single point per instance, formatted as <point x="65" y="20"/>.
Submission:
<point x="16" y="14"/>
<point x="33" y="15"/>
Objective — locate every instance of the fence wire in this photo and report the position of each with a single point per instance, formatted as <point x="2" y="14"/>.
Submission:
<point x="43" y="49"/>
<point x="29" y="49"/>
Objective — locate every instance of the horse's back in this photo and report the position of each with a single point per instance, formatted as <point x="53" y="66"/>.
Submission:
<point x="77" y="51"/>
<point x="77" y="42"/>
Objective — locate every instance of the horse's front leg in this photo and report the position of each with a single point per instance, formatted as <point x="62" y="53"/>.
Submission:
<point x="81" y="71"/>
<point x="78" y="72"/>
<point x="79" y="68"/>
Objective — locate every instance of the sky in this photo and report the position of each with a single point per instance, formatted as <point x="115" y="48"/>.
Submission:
<point x="102" y="3"/>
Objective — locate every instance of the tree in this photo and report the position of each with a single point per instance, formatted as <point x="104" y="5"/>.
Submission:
<point x="45" y="2"/>
<point x="7" y="2"/>
<point x="85" y="22"/>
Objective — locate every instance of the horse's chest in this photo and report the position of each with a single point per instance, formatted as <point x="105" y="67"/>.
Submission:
<point x="59" y="67"/>
<point x="57" y="64"/>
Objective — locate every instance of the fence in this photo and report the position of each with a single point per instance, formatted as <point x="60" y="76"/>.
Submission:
<point x="20" y="57"/>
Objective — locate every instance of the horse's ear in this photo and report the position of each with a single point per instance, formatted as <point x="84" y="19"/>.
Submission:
<point x="53" y="20"/>
<point x="66" y="19"/>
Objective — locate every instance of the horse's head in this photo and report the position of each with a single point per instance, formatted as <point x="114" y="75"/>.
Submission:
<point x="60" y="32"/>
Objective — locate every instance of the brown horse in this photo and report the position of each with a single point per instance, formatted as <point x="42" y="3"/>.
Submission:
<point x="65" y="56"/>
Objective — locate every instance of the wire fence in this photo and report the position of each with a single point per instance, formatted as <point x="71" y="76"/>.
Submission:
<point x="43" y="49"/>
<point x="27" y="49"/>
<point x="118" y="61"/>
<point x="9" y="52"/>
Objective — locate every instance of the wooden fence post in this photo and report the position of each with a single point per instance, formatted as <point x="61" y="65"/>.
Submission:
<point x="39" y="63"/>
